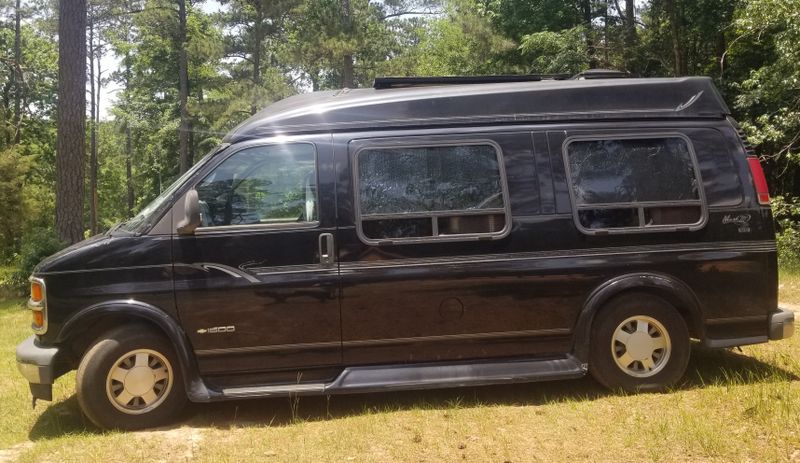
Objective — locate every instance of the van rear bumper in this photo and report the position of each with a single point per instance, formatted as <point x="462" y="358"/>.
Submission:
<point x="40" y="366"/>
<point x="781" y="324"/>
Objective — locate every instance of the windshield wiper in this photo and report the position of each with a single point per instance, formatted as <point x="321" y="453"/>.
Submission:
<point x="115" y="227"/>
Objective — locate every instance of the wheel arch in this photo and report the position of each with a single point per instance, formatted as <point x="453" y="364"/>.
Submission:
<point x="87" y="324"/>
<point x="667" y="287"/>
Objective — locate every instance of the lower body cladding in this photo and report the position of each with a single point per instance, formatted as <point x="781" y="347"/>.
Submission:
<point x="42" y="365"/>
<point x="780" y="326"/>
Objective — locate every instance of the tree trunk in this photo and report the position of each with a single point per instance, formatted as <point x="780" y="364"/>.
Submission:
<point x="722" y="47"/>
<point x="191" y="143"/>
<point x="129" y="167"/>
<point x="678" y="50"/>
<point x="92" y="130"/>
<point x="606" y="43"/>
<point x="183" y="79"/>
<point x="71" y="119"/>
<point x="630" y="34"/>
<point x="348" y="78"/>
<point x="95" y="153"/>
<point x="128" y="136"/>
<point x="591" y="51"/>
<point x="16" y="76"/>
<point x="258" y="41"/>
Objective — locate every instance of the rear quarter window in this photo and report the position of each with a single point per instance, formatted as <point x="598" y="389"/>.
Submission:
<point x="715" y="155"/>
<point x="634" y="184"/>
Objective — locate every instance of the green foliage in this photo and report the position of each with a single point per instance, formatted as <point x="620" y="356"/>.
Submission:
<point x="320" y="35"/>
<point x="518" y="18"/>
<point x="556" y="52"/>
<point x="254" y="52"/>
<point x="36" y="245"/>
<point x="463" y="42"/>
<point x="13" y="170"/>
<point x="786" y="211"/>
<point x="769" y="97"/>
<point x="37" y="82"/>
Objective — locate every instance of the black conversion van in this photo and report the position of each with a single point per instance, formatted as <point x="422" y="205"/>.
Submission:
<point x="424" y="233"/>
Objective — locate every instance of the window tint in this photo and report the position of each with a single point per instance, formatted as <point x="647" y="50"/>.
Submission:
<point x="261" y="185"/>
<point x="437" y="191"/>
<point x="634" y="183"/>
<point x="443" y="178"/>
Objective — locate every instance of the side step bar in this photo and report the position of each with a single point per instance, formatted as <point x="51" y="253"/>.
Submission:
<point x="423" y="376"/>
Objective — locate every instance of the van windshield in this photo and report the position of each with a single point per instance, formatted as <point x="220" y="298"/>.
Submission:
<point x="152" y="212"/>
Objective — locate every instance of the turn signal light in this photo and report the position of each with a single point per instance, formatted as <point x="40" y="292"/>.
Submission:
<point x="36" y="291"/>
<point x="38" y="318"/>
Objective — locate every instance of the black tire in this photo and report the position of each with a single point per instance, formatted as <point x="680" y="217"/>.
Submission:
<point x="670" y="363"/>
<point x="95" y="386"/>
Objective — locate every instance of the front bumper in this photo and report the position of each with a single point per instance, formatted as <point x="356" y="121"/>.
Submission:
<point x="781" y="324"/>
<point x="40" y="366"/>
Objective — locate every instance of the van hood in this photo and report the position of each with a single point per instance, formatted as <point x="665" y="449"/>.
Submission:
<point x="106" y="252"/>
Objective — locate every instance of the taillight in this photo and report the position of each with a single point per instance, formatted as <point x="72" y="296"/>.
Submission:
<point x="759" y="180"/>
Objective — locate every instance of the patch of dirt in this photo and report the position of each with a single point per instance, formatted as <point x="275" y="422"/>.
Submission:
<point x="12" y="453"/>
<point x="183" y="443"/>
<point x="792" y="307"/>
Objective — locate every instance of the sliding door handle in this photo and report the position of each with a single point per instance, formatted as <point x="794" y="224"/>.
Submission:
<point x="327" y="251"/>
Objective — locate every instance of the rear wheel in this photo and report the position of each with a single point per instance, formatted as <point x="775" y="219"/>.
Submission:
<point x="639" y="343"/>
<point x="130" y="379"/>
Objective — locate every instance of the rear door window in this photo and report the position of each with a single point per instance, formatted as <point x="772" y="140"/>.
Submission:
<point x="623" y="184"/>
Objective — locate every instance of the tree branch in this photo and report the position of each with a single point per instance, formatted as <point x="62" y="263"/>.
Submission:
<point x="408" y="13"/>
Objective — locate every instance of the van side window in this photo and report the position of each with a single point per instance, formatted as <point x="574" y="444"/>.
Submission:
<point x="634" y="184"/>
<point x="262" y="185"/>
<point x="434" y="192"/>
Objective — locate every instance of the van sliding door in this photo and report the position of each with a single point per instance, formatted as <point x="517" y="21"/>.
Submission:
<point x="428" y="248"/>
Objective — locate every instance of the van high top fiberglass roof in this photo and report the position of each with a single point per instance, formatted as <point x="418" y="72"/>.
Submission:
<point x="453" y="104"/>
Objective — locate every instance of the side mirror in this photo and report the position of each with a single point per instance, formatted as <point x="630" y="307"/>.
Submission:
<point x="191" y="212"/>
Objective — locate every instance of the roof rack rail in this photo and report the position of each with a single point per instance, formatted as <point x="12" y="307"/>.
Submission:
<point x="400" y="82"/>
<point x="601" y="74"/>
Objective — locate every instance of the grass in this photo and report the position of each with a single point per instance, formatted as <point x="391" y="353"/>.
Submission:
<point x="789" y="287"/>
<point x="733" y="406"/>
<point x="7" y="289"/>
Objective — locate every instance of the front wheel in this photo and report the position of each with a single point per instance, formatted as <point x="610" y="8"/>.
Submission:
<point x="639" y="343"/>
<point x="130" y="379"/>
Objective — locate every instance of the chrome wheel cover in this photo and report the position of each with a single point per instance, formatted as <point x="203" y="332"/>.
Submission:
<point x="139" y="381"/>
<point x="641" y="346"/>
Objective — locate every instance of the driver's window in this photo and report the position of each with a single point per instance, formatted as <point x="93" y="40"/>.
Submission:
<point x="269" y="185"/>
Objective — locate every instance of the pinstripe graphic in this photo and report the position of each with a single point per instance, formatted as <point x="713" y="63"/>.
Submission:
<point x="390" y="341"/>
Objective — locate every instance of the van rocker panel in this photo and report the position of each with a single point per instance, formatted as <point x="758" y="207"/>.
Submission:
<point x="424" y="376"/>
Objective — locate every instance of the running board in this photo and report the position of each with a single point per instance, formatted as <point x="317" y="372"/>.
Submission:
<point x="423" y="376"/>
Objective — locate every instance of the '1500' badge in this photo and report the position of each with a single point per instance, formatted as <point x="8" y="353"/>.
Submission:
<point x="217" y="329"/>
<point x="741" y="220"/>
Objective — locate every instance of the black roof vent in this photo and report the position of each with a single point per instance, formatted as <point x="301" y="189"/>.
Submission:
<point x="601" y="74"/>
<point x="748" y="147"/>
<point x="402" y="82"/>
